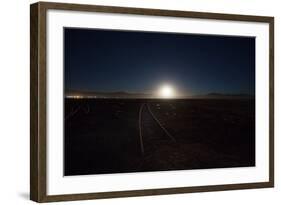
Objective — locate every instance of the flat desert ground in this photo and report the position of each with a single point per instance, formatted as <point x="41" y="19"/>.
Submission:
<point x="139" y="135"/>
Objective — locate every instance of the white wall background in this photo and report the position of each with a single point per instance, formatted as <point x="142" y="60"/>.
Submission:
<point x="14" y="101"/>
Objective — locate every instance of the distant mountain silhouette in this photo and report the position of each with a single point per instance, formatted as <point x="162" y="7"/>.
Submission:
<point x="225" y="95"/>
<point x="122" y="94"/>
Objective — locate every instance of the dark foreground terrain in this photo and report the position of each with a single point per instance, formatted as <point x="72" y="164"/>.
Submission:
<point x="126" y="135"/>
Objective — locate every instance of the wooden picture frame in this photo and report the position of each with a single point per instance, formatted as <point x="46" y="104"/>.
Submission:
<point x="38" y="101"/>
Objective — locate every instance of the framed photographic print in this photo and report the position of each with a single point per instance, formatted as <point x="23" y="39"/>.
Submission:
<point x="134" y="102"/>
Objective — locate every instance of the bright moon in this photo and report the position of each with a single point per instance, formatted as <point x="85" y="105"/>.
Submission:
<point x="166" y="91"/>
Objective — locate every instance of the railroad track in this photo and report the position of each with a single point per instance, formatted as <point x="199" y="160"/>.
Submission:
<point x="159" y="124"/>
<point x="76" y="109"/>
<point x="146" y="116"/>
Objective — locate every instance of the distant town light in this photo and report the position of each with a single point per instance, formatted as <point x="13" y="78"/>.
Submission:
<point x="74" y="96"/>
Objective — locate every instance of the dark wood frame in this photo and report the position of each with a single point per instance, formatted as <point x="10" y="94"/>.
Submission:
<point x="38" y="101"/>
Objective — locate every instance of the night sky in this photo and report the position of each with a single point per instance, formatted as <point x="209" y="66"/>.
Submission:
<point x="129" y="61"/>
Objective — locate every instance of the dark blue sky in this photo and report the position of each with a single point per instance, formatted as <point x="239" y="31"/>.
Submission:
<point x="108" y="60"/>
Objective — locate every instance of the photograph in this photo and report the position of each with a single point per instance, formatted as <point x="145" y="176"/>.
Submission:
<point x="130" y="101"/>
<point x="146" y="101"/>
